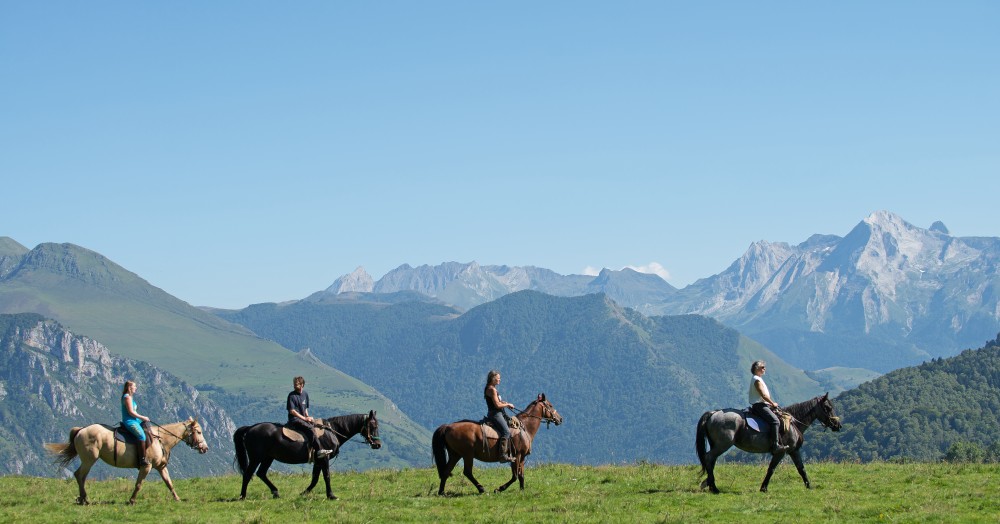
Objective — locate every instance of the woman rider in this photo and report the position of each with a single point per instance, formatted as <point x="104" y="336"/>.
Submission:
<point x="495" y="406"/>
<point x="762" y="405"/>
<point x="132" y="420"/>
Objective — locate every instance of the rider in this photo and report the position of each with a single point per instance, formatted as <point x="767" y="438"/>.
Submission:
<point x="299" y="419"/>
<point x="495" y="406"/>
<point x="134" y="422"/>
<point x="762" y="405"/>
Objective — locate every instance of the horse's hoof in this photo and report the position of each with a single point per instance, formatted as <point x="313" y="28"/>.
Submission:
<point x="763" y="489"/>
<point x="274" y="494"/>
<point x="331" y="496"/>
<point x="131" y="502"/>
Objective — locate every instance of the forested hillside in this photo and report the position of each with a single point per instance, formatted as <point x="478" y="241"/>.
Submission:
<point x="630" y="387"/>
<point x="935" y="410"/>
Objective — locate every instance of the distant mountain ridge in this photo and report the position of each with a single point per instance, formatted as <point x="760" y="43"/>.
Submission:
<point x="611" y="372"/>
<point x="886" y="295"/>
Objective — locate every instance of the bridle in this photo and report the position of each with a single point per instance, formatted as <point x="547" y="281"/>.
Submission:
<point x="366" y="432"/>
<point x="186" y="436"/>
<point x="547" y="412"/>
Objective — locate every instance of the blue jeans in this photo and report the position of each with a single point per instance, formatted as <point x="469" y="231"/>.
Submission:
<point x="500" y="423"/>
<point x="136" y="428"/>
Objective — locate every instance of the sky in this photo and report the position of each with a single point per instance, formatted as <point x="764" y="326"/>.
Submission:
<point x="239" y="152"/>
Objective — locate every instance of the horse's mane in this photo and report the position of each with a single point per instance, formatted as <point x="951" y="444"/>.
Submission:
<point x="342" y="422"/>
<point x="801" y="409"/>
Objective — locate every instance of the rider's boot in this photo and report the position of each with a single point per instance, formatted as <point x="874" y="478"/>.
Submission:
<point x="141" y="451"/>
<point x="505" y="450"/>
<point x="776" y="446"/>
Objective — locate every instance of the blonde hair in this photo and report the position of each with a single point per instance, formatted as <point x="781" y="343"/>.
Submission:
<point x="127" y="384"/>
<point x="491" y="375"/>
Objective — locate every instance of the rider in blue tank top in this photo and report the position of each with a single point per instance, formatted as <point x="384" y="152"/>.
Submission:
<point x="132" y="420"/>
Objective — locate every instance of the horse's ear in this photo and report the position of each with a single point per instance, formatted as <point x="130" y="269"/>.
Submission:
<point x="541" y="397"/>
<point x="371" y="413"/>
<point x="826" y="395"/>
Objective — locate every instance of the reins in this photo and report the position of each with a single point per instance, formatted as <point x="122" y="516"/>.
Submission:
<point x="369" y="439"/>
<point x="189" y="440"/>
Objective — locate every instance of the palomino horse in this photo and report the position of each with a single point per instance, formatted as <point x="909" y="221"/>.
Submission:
<point x="465" y="440"/>
<point x="98" y="442"/>
<point x="259" y="445"/>
<point x="726" y="428"/>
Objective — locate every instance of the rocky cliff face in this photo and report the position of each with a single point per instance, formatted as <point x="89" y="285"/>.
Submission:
<point x="52" y="380"/>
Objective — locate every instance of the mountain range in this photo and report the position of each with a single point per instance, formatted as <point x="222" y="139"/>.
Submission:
<point x="248" y="377"/>
<point x="888" y="294"/>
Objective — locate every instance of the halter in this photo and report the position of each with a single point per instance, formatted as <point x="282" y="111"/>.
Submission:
<point x="369" y="438"/>
<point x="822" y="422"/>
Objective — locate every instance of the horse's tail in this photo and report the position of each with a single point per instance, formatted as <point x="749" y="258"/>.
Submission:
<point x="64" y="452"/>
<point x="440" y="448"/>
<point x="699" y="442"/>
<point x="242" y="460"/>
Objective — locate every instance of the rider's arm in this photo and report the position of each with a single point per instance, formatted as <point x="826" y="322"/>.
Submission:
<point x="127" y="402"/>
<point x="763" y="394"/>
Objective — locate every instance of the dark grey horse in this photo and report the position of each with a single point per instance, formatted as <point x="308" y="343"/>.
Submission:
<point x="725" y="428"/>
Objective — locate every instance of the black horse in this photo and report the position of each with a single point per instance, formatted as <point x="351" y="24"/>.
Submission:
<point x="259" y="445"/>
<point x="725" y="428"/>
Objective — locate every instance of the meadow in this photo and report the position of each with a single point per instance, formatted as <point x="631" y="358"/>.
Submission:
<point x="886" y="492"/>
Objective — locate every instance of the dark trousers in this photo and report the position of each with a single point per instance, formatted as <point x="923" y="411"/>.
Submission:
<point x="763" y="411"/>
<point x="307" y="431"/>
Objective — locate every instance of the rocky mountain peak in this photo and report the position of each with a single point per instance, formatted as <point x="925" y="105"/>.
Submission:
<point x="939" y="227"/>
<point x="358" y="281"/>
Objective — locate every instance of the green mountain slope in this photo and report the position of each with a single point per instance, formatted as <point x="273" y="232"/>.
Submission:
<point x="630" y="387"/>
<point x="919" y="412"/>
<point x="248" y="376"/>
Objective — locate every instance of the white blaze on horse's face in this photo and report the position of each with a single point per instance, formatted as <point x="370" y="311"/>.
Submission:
<point x="198" y="438"/>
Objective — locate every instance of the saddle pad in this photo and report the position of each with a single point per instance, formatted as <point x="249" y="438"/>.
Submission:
<point x="491" y="433"/>
<point x="121" y="434"/>
<point x="295" y="436"/>
<point x="755" y="423"/>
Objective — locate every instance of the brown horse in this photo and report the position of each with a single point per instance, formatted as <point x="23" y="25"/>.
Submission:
<point x="98" y="442"/>
<point x="466" y="440"/>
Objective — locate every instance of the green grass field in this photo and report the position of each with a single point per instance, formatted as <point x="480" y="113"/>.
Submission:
<point x="938" y="492"/>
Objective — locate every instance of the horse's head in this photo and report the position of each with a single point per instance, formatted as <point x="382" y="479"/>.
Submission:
<point x="194" y="437"/>
<point x="549" y="413"/>
<point x="370" y="431"/>
<point x="826" y="415"/>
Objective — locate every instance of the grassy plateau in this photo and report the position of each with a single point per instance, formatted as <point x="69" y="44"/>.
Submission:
<point x="935" y="492"/>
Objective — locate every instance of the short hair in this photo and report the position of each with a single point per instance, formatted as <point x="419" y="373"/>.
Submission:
<point x="299" y="380"/>
<point x="757" y="364"/>
<point x="125" y="387"/>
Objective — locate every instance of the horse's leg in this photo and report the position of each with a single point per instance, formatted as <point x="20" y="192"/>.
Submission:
<point x="453" y="459"/>
<point x="520" y="470"/>
<point x="81" y="478"/>
<point x="165" y="475"/>
<point x="315" y="478"/>
<point x="797" y="459"/>
<point x="138" y="484"/>
<point x="468" y="473"/>
<point x="711" y="457"/>
<point x="262" y="475"/>
<point x="775" y="459"/>
<point x="326" y="478"/>
<point x="248" y="473"/>
<point x="513" y="476"/>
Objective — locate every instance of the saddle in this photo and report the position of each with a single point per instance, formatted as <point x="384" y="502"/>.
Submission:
<point x="489" y="431"/>
<point x="295" y="436"/>
<point x="761" y="426"/>
<point x="122" y="434"/>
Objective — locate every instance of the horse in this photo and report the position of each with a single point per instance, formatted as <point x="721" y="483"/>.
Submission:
<point x="726" y="428"/>
<point x="259" y="445"/>
<point x="96" y="441"/>
<point x="467" y="440"/>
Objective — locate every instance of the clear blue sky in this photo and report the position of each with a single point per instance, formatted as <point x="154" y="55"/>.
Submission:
<point x="235" y="152"/>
